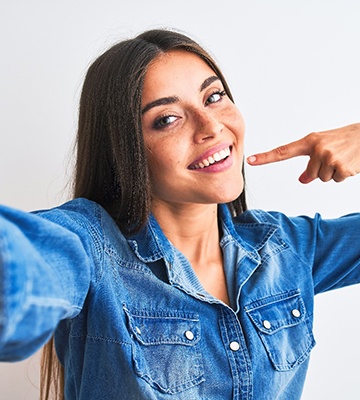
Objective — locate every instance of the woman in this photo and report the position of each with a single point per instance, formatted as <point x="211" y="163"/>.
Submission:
<point x="156" y="282"/>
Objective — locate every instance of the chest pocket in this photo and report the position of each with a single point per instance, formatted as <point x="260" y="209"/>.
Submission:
<point x="284" y="328"/>
<point x="166" y="349"/>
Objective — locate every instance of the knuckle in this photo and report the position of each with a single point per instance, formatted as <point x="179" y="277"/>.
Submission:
<point x="342" y="173"/>
<point x="338" y="179"/>
<point x="311" y="139"/>
<point x="281" y="151"/>
<point x="319" y="148"/>
<point x="347" y="171"/>
<point x="331" y="160"/>
<point x="318" y="142"/>
<point x="325" y="177"/>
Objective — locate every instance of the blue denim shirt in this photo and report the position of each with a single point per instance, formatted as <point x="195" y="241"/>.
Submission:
<point x="132" y="321"/>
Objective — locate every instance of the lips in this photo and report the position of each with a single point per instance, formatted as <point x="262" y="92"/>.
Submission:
<point x="215" y="156"/>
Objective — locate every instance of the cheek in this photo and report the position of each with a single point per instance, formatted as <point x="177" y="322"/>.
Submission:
<point x="238" y="124"/>
<point x="154" y="163"/>
<point x="165" y="152"/>
<point x="161" y="160"/>
<point x="234" y="120"/>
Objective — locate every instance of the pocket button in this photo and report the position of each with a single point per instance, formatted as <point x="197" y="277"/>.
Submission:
<point x="189" y="335"/>
<point x="296" y="313"/>
<point x="266" y="324"/>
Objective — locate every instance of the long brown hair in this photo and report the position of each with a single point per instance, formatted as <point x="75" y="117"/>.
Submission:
<point x="111" y="167"/>
<point x="111" y="161"/>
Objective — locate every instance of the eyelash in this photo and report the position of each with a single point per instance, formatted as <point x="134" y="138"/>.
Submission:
<point x="160" y="123"/>
<point x="221" y="93"/>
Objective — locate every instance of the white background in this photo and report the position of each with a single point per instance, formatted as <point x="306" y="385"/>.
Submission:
<point x="293" y="67"/>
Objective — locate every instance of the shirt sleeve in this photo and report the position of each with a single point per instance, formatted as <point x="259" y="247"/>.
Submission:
<point x="331" y="247"/>
<point x="45" y="273"/>
<point x="337" y="255"/>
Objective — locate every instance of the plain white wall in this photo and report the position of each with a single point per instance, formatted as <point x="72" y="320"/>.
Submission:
<point x="293" y="67"/>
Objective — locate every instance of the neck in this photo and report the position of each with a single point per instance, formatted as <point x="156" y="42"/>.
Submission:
<point x="193" y="229"/>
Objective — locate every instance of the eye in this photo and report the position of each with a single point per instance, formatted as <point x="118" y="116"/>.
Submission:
<point x="162" y="122"/>
<point x="215" y="97"/>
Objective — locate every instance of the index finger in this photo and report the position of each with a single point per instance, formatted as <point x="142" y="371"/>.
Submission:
<point x="294" y="149"/>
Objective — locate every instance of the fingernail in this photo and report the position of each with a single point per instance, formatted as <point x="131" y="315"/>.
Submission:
<point x="251" y="159"/>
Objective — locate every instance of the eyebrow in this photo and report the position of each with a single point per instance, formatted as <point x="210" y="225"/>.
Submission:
<point x="160" y="102"/>
<point x="207" y="82"/>
<point x="173" y="99"/>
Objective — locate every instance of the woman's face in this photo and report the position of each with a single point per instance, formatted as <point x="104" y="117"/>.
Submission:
<point x="193" y="133"/>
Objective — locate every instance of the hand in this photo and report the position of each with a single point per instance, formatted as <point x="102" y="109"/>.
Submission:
<point x="334" y="154"/>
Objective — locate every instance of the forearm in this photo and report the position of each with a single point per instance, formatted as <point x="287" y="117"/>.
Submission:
<point x="44" y="276"/>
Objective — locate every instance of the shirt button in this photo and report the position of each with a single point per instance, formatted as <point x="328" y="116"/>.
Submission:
<point x="266" y="324"/>
<point x="234" y="346"/>
<point x="189" y="335"/>
<point x="296" y="313"/>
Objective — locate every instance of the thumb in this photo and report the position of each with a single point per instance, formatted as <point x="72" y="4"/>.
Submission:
<point x="305" y="178"/>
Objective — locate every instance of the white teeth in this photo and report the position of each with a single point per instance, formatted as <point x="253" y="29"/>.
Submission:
<point x="214" y="158"/>
<point x="223" y="154"/>
<point x="217" y="157"/>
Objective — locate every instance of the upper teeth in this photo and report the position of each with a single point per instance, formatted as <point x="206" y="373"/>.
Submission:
<point x="214" y="158"/>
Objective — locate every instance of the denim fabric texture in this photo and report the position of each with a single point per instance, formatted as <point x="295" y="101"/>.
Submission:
<point x="132" y="321"/>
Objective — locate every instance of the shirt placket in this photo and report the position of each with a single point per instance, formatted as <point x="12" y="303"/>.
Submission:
<point x="237" y="353"/>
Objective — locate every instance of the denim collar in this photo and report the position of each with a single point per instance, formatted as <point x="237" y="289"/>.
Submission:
<point x="251" y="237"/>
<point x="150" y="244"/>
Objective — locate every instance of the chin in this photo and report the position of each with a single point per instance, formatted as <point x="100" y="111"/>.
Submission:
<point x="229" y="199"/>
<point x="230" y="194"/>
<point x="223" y="199"/>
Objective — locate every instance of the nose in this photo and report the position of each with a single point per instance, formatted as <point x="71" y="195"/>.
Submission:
<point x="207" y="125"/>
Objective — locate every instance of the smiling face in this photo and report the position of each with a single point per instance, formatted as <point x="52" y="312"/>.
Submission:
<point x="193" y="133"/>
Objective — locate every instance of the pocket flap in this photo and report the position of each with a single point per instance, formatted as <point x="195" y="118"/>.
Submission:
<point x="164" y="327"/>
<point x="277" y="312"/>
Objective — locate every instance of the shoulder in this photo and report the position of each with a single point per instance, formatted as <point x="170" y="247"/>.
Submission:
<point x="300" y="232"/>
<point x="259" y="225"/>
<point x="81" y="216"/>
<point x="276" y="219"/>
<point x="78" y="211"/>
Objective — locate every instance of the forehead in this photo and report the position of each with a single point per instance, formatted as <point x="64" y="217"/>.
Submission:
<point x="175" y="70"/>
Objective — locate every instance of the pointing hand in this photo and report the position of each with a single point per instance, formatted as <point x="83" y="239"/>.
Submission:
<point x="334" y="154"/>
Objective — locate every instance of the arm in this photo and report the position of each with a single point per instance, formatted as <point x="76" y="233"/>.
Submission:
<point x="333" y="262"/>
<point x="44" y="277"/>
<point x="334" y="154"/>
